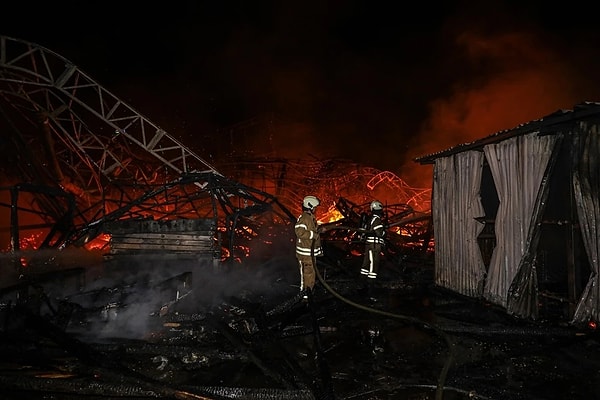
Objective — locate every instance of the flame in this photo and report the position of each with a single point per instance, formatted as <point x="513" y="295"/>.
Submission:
<point x="331" y="215"/>
<point x="329" y="182"/>
<point x="99" y="243"/>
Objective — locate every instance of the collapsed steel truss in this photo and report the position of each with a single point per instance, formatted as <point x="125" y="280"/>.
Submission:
<point x="90" y="159"/>
<point x="70" y="134"/>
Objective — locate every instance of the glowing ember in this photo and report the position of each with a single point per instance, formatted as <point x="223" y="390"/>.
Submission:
<point x="332" y="215"/>
<point x="30" y="242"/>
<point x="99" y="243"/>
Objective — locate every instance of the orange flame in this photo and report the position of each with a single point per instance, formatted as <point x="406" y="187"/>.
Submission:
<point x="331" y="215"/>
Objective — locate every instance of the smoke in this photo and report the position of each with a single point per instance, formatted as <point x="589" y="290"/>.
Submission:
<point x="504" y="79"/>
<point x="132" y="298"/>
<point x="346" y="80"/>
<point x="383" y="96"/>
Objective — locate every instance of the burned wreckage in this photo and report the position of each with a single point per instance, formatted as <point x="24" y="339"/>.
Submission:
<point x="136" y="269"/>
<point x="524" y="204"/>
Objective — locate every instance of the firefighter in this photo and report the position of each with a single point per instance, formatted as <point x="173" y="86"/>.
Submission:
<point x="308" y="244"/>
<point x="375" y="232"/>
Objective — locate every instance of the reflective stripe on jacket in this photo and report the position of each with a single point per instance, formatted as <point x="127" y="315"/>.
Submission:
<point x="306" y="232"/>
<point x="375" y="230"/>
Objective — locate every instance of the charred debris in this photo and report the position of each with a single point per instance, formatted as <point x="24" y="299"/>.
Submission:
<point x="143" y="322"/>
<point x="159" y="315"/>
<point x="137" y="270"/>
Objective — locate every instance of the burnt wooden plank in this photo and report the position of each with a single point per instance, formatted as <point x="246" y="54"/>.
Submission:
<point x="159" y="246"/>
<point x="158" y="237"/>
<point x="193" y="237"/>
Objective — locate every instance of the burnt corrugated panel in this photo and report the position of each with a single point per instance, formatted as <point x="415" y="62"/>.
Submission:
<point x="518" y="166"/>
<point x="586" y="184"/>
<point x="457" y="210"/>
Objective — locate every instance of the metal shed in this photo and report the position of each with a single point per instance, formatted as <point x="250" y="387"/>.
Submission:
<point x="516" y="217"/>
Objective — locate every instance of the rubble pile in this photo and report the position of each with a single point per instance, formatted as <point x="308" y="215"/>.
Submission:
<point x="223" y="334"/>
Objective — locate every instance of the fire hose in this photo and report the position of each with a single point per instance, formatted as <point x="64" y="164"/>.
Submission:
<point x="416" y="321"/>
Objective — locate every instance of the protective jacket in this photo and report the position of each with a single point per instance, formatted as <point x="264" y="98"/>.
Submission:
<point x="375" y="230"/>
<point x="306" y="229"/>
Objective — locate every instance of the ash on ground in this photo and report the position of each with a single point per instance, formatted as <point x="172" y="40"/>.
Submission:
<point x="243" y="332"/>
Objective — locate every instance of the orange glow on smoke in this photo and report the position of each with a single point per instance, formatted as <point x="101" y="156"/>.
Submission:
<point x="530" y="80"/>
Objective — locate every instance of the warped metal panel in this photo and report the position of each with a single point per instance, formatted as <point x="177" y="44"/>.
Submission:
<point x="518" y="166"/>
<point x="457" y="208"/>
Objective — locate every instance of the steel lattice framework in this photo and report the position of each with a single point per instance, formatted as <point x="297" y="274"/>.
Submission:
<point x="69" y="131"/>
<point x="98" y="129"/>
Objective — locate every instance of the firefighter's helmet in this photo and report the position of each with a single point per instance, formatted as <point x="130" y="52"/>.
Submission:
<point x="310" y="202"/>
<point x="376" y="205"/>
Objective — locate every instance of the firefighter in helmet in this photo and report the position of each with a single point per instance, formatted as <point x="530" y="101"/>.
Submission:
<point x="308" y="244"/>
<point x="375" y="231"/>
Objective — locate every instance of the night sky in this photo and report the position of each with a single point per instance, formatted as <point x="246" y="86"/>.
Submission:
<point x="378" y="83"/>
